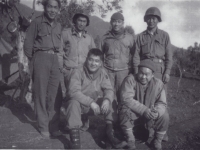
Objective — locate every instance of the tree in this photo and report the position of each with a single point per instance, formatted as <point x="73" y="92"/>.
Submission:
<point x="130" y="30"/>
<point x="97" y="41"/>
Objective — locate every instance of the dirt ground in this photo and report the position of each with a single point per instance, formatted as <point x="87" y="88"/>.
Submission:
<point x="18" y="128"/>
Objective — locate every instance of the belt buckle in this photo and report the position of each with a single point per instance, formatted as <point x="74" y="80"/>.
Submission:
<point x="51" y="52"/>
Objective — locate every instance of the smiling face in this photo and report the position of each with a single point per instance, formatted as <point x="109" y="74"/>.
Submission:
<point x="81" y="23"/>
<point x="144" y="75"/>
<point x="93" y="63"/>
<point x="117" y="25"/>
<point x="152" y="21"/>
<point x="51" y="10"/>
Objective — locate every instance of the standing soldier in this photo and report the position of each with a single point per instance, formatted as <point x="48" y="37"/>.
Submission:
<point x="154" y="44"/>
<point x="43" y="46"/>
<point x="77" y="43"/>
<point x="117" y="49"/>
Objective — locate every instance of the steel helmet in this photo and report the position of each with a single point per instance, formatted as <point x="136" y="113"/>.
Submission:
<point x="83" y="15"/>
<point x="153" y="11"/>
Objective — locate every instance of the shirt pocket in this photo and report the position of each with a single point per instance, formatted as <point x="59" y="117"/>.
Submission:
<point x="145" y="47"/>
<point x="159" y="47"/>
<point x="43" y="31"/>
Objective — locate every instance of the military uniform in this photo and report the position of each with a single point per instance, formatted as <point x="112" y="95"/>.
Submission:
<point x="43" y="46"/>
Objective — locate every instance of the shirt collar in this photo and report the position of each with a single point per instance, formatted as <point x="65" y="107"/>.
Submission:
<point x="45" y="20"/>
<point x="75" y="32"/>
<point x="147" y="32"/>
<point x="110" y="34"/>
<point x="92" y="76"/>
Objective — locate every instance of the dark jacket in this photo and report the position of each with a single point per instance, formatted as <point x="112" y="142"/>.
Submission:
<point x="117" y="51"/>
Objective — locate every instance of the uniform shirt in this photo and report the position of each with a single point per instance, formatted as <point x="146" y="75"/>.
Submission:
<point x="86" y="88"/>
<point x="117" y="51"/>
<point x="150" y="46"/>
<point x="76" y="47"/>
<point x="138" y="97"/>
<point x="43" y="36"/>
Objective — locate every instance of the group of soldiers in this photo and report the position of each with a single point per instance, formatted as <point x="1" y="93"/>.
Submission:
<point x="125" y="80"/>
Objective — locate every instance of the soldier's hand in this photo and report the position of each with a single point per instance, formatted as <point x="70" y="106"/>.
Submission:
<point x="95" y="107"/>
<point x="154" y="115"/>
<point x="166" y="78"/>
<point x="148" y="114"/>
<point x="105" y="106"/>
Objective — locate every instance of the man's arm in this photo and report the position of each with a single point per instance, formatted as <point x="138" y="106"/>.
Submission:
<point x="127" y="95"/>
<point x="75" y="92"/>
<point x="161" y="102"/>
<point x="60" y="55"/>
<point x="108" y="92"/>
<point x="30" y="39"/>
<point x="93" y="45"/>
<point x="168" y="56"/>
<point x="136" y="55"/>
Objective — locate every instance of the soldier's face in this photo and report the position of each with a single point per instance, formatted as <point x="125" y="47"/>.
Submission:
<point x="93" y="63"/>
<point x="144" y="75"/>
<point x="117" y="24"/>
<point x="81" y="23"/>
<point x="152" y="21"/>
<point x="51" y="10"/>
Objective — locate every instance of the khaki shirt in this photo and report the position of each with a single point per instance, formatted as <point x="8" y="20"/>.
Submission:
<point x="118" y="52"/>
<point x="86" y="88"/>
<point x="129" y="93"/>
<point x="153" y="46"/>
<point x="43" y="36"/>
<point x="76" y="47"/>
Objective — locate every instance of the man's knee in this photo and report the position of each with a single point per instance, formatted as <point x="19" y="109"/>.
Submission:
<point x="71" y="106"/>
<point x="164" y="117"/>
<point x="125" y="120"/>
<point x="162" y="123"/>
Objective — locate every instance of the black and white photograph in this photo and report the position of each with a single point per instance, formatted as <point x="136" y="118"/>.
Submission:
<point x="100" y="74"/>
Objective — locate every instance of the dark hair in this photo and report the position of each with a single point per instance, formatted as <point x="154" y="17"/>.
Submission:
<point x="45" y="2"/>
<point x="95" y="52"/>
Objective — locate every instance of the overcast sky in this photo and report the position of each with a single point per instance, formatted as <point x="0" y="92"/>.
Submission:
<point x="181" y="18"/>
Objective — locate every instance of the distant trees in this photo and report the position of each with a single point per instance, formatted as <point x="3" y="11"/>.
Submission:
<point x="130" y="30"/>
<point x="70" y="7"/>
<point x="187" y="60"/>
<point x="97" y="41"/>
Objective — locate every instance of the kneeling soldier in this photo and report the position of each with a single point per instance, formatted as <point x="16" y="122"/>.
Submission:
<point x="89" y="86"/>
<point x="144" y="98"/>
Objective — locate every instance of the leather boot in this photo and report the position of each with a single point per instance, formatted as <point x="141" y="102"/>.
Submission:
<point x="130" y="139"/>
<point x="113" y="141"/>
<point x="86" y="123"/>
<point x="75" y="139"/>
<point x="157" y="141"/>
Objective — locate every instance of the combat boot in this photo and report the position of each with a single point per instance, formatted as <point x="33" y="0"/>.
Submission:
<point x="130" y="139"/>
<point x="111" y="138"/>
<point x="157" y="141"/>
<point x="75" y="138"/>
<point x="86" y="123"/>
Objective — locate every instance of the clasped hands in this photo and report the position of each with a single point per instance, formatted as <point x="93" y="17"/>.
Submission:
<point x="100" y="110"/>
<point x="151" y="114"/>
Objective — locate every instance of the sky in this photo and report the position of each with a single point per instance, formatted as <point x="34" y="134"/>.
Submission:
<point x="180" y="18"/>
